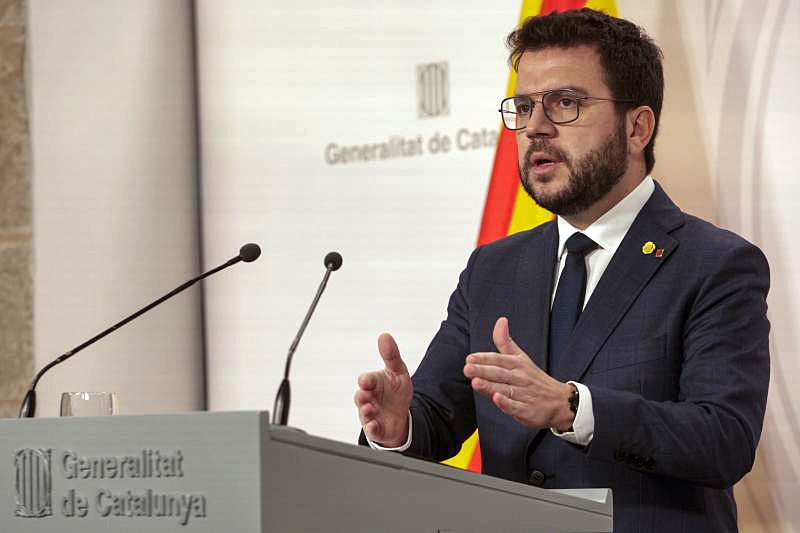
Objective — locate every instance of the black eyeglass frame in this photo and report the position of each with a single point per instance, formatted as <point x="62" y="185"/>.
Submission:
<point x="544" y="94"/>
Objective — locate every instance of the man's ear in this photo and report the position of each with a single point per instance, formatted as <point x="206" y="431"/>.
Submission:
<point x="640" y="124"/>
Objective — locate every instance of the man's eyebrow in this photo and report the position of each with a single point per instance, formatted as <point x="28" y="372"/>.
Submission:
<point x="569" y="88"/>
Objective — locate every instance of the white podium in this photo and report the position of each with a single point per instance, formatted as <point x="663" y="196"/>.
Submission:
<point x="233" y="472"/>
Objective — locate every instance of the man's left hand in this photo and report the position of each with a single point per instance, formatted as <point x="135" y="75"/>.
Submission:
<point x="517" y="386"/>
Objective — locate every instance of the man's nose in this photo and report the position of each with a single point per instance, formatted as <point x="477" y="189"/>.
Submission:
<point x="538" y="123"/>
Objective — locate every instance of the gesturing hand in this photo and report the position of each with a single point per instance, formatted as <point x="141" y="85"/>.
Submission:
<point x="384" y="397"/>
<point x="517" y="386"/>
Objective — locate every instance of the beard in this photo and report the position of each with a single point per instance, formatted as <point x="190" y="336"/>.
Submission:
<point x="591" y="176"/>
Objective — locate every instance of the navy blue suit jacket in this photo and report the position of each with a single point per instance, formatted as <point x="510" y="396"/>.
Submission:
<point x="673" y="348"/>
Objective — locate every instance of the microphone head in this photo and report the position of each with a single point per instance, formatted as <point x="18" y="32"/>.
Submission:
<point x="333" y="261"/>
<point x="249" y="252"/>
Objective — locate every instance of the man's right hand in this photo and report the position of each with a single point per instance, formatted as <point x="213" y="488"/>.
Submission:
<point x="383" y="398"/>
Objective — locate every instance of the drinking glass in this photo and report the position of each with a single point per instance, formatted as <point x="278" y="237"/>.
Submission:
<point x="88" y="403"/>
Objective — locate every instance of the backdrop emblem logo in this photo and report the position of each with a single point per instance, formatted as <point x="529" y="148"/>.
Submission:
<point x="433" y="90"/>
<point x="34" y="483"/>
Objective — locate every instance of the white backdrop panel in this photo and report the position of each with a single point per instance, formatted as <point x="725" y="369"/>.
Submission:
<point x="115" y="203"/>
<point x="279" y="84"/>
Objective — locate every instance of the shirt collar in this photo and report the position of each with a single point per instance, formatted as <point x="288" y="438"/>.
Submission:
<point x="609" y="230"/>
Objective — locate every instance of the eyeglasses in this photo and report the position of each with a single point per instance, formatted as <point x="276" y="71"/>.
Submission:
<point x="560" y="107"/>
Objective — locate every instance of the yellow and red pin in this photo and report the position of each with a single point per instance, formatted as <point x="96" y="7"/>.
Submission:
<point x="649" y="247"/>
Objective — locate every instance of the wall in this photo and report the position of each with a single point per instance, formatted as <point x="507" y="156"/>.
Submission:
<point x="16" y="289"/>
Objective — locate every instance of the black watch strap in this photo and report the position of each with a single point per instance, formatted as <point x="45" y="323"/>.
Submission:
<point x="574" y="400"/>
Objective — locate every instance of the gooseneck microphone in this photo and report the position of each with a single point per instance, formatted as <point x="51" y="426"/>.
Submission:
<point x="280" y="411"/>
<point x="247" y="253"/>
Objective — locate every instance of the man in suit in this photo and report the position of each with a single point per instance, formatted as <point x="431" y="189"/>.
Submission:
<point x="623" y="345"/>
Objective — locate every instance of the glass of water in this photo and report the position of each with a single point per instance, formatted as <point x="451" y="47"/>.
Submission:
<point x="88" y="403"/>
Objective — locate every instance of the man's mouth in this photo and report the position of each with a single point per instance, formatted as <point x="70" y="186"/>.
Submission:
<point x="541" y="162"/>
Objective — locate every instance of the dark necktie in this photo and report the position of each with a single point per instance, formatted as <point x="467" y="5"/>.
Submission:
<point x="568" y="303"/>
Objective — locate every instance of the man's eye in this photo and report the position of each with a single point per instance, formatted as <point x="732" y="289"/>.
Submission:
<point x="523" y="108"/>
<point x="565" y="102"/>
<point x="559" y="100"/>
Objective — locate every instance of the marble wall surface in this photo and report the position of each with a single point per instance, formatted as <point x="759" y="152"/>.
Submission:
<point x="16" y="261"/>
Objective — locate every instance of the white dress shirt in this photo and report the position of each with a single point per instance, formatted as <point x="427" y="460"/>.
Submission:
<point x="608" y="232"/>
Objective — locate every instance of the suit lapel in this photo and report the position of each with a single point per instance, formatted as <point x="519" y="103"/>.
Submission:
<point x="626" y="275"/>
<point x="532" y="287"/>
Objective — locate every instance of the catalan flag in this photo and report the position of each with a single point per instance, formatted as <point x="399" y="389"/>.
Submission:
<point x="508" y="209"/>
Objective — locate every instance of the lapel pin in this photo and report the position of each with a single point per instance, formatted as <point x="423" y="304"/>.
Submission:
<point x="648" y="248"/>
<point x="660" y="252"/>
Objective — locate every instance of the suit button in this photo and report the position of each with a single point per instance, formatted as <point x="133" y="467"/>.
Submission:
<point x="638" y="461"/>
<point x="650" y="463"/>
<point x="537" y="478"/>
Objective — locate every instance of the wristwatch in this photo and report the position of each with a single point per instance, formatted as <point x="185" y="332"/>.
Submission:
<point x="575" y="399"/>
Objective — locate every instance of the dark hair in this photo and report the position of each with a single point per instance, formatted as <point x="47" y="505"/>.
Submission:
<point x="630" y="58"/>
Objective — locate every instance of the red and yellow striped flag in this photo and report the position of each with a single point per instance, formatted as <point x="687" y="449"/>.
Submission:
<point x="508" y="209"/>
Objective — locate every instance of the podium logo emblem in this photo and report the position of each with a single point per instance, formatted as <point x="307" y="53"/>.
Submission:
<point x="34" y="483"/>
<point x="433" y="90"/>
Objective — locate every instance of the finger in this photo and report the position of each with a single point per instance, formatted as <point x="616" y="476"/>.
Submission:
<point x="491" y="373"/>
<point x="362" y="397"/>
<point x="390" y="354"/>
<point x="373" y="430"/>
<point x="489" y="388"/>
<point x="368" y="411"/>
<point x="369" y="381"/>
<point x="502" y="337"/>
<point x="509" y="362"/>
<point x="509" y="406"/>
